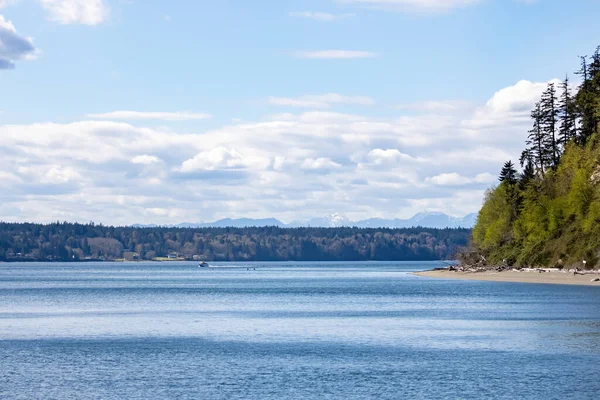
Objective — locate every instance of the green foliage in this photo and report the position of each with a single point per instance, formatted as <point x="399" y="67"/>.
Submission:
<point x="76" y="242"/>
<point x="552" y="216"/>
<point x="493" y="223"/>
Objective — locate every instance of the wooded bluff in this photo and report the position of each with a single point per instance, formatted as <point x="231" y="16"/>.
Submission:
<point x="80" y="242"/>
<point x="549" y="214"/>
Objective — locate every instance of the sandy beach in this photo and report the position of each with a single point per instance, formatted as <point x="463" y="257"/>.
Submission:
<point x="553" y="277"/>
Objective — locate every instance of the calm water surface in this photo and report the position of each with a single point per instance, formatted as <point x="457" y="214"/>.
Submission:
<point x="290" y="330"/>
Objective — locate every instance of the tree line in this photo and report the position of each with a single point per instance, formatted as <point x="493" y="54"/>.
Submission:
<point x="91" y="242"/>
<point x="549" y="212"/>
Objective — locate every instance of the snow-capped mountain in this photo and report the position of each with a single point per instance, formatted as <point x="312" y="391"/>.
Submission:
<point x="335" y="220"/>
<point x="426" y="220"/>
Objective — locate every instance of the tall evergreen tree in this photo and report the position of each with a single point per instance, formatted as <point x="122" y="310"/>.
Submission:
<point x="527" y="176"/>
<point x="583" y="71"/>
<point x="594" y="66"/>
<point x="510" y="178"/>
<point x="526" y="157"/>
<point x="549" y="108"/>
<point x="568" y="117"/>
<point x="595" y="88"/>
<point x="508" y="174"/>
<point x="584" y="101"/>
<point x="535" y="140"/>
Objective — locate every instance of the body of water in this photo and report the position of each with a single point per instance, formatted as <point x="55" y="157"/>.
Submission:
<point x="290" y="330"/>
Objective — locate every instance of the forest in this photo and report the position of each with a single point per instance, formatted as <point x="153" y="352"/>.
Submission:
<point x="548" y="214"/>
<point x="91" y="242"/>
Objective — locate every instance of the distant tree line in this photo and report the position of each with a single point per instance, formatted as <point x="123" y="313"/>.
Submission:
<point x="78" y="242"/>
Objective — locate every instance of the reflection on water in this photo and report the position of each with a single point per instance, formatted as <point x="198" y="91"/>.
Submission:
<point x="295" y="330"/>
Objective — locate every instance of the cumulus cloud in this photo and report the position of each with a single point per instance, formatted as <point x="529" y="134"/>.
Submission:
<point x="217" y="158"/>
<point x="145" y="160"/>
<point x="454" y="179"/>
<point x="320" y="164"/>
<point x="388" y="157"/>
<point x="13" y="46"/>
<point x="334" y="54"/>
<point x="143" y="115"/>
<point x="86" y="12"/>
<point x="58" y="175"/>
<point x="290" y="165"/>
<point x="320" y="16"/>
<point x="508" y="107"/>
<point x="518" y="98"/>
<point x="321" y="101"/>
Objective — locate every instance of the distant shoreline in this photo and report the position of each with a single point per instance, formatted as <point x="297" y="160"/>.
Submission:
<point x="524" y="276"/>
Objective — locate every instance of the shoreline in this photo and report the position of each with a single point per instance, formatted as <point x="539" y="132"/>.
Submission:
<point x="537" y="276"/>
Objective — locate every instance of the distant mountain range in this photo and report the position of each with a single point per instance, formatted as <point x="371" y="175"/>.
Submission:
<point x="425" y="219"/>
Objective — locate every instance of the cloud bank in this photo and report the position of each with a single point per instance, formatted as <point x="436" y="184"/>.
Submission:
<point x="290" y="166"/>
<point x="140" y="115"/>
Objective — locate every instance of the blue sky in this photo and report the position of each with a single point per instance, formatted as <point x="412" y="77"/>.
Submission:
<point x="128" y="111"/>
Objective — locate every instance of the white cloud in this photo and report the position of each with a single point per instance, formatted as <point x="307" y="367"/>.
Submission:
<point x="48" y="174"/>
<point x="451" y="179"/>
<point x="388" y="157"/>
<point x="86" y="12"/>
<point x="145" y="160"/>
<point x="214" y="159"/>
<point x="454" y="179"/>
<point x="141" y="115"/>
<point x="334" y="54"/>
<point x="510" y="106"/>
<point x="320" y="164"/>
<point x="485" y="177"/>
<point x="517" y="98"/>
<point x="321" y="101"/>
<point x="320" y="16"/>
<point x="13" y="46"/>
<point x="413" y="5"/>
<point x="58" y="175"/>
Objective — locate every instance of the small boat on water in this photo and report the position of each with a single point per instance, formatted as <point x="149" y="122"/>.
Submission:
<point x="203" y="264"/>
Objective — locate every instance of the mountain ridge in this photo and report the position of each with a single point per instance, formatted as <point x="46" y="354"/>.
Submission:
<point x="425" y="219"/>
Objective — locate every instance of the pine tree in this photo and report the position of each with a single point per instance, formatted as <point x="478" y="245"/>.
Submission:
<point x="549" y="109"/>
<point x="535" y="140"/>
<point x="583" y="71"/>
<point x="584" y="101"/>
<point x="568" y="116"/>
<point x="526" y="157"/>
<point x="527" y="176"/>
<point x="508" y="174"/>
<point x="594" y="71"/>
<point x="594" y="67"/>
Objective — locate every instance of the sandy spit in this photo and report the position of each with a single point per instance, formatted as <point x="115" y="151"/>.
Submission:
<point x="554" y="277"/>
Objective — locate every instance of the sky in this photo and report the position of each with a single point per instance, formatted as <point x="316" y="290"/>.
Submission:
<point x="130" y="111"/>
